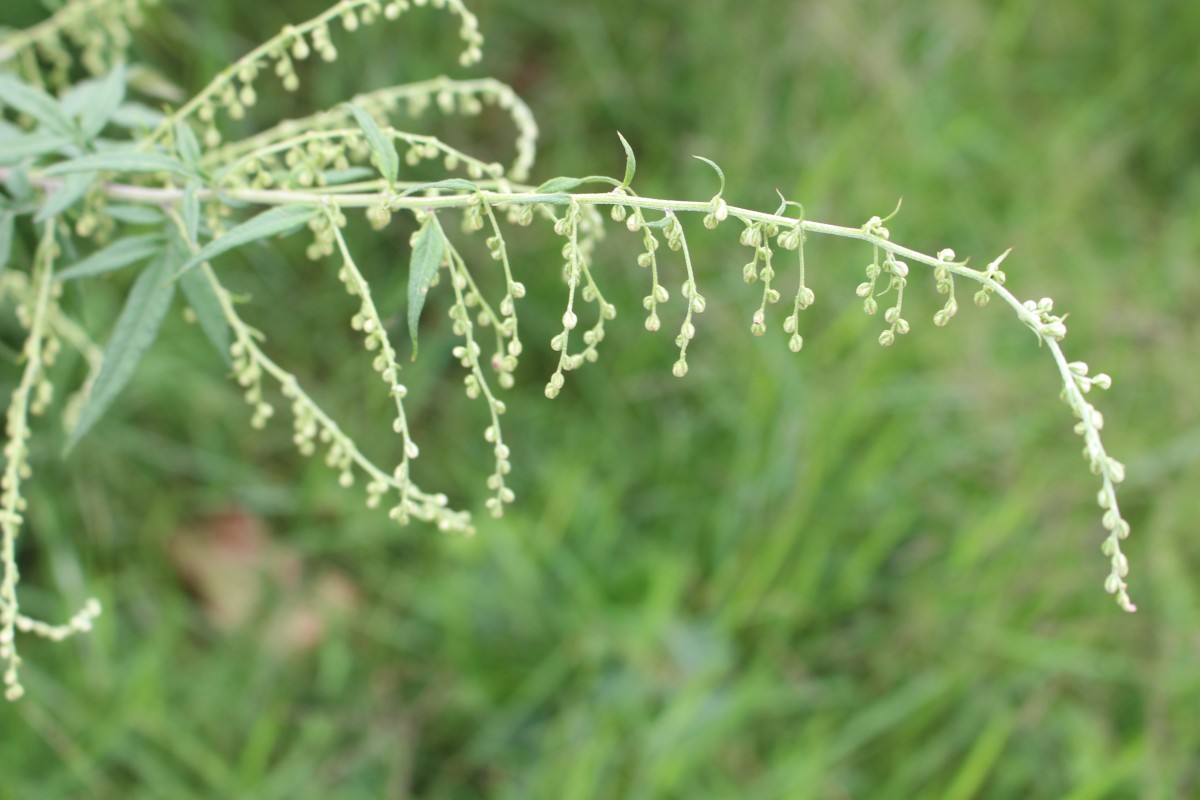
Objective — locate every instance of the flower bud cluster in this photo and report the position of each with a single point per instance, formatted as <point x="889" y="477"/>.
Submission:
<point x="465" y="97"/>
<point x="898" y="278"/>
<point x="695" y="301"/>
<point x="326" y="230"/>
<point x="81" y="622"/>
<point x="508" y="343"/>
<point x="758" y="236"/>
<point x="718" y="212"/>
<point x="384" y="362"/>
<point x="100" y="29"/>
<point x="233" y="89"/>
<point x="1047" y="324"/>
<point x="1111" y="472"/>
<point x="466" y="296"/>
<point x="313" y="427"/>
<point x="676" y="241"/>
<point x="993" y="276"/>
<point x="793" y="239"/>
<point x="945" y="286"/>
<point x="31" y="395"/>
<point x="567" y="226"/>
<point x="635" y="222"/>
<point x="247" y="371"/>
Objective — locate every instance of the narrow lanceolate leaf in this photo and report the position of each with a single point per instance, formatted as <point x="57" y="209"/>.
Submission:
<point x="71" y="192"/>
<point x="269" y="223"/>
<point x="457" y="184"/>
<point x="383" y="149"/>
<point x="120" y="253"/>
<point x="202" y="298"/>
<point x="6" y="238"/>
<point x="19" y="187"/>
<point x="427" y="255"/>
<point x="135" y="331"/>
<point x="718" y="170"/>
<point x="564" y="184"/>
<point x="630" y="162"/>
<point x="100" y="103"/>
<point x="18" y="148"/>
<point x="187" y="145"/>
<point x="137" y="116"/>
<point x="125" y="160"/>
<point x="37" y="104"/>
<point x="134" y="215"/>
<point x="196" y="284"/>
<point x="190" y="211"/>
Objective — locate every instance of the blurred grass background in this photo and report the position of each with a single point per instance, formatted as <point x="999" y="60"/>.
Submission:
<point x="845" y="573"/>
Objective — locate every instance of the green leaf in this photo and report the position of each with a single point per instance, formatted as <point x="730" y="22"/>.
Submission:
<point x="190" y="211"/>
<point x="137" y="116"/>
<point x="99" y="104"/>
<point x="19" y="186"/>
<point x="71" y="192"/>
<point x="197" y="285"/>
<point x="6" y="238"/>
<point x="120" y="253"/>
<point x="135" y="331"/>
<point x="460" y="184"/>
<point x="383" y="149"/>
<point x="333" y="177"/>
<point x="427" y="255"/>
<point x="784" y="203"/>
<point x="630" y="162"/>
<point x="187" y="145"/>
<point x="18" y="148"/>
<point x="564" y="184"/>
<point x="134" y="215"/>
<point x="720" y="173"/>
<point x="202" y="298"/>
<point x="269" y="223"/>
<point x="123" y="160"/>
<point x="37" y="104"/>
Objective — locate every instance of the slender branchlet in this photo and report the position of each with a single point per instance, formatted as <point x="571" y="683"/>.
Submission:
<point x="448" y="95"/>
<point x="31" y="396"/>
<point x="201" y="196"/>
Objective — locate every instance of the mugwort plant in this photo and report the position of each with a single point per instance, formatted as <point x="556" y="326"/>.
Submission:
<point x="95" y="179"/>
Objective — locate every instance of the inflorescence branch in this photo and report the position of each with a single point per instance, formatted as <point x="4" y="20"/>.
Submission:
<point x="308" y="174"/>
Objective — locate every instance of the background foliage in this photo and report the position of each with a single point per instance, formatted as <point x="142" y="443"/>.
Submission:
<point x="851" y="572"/>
